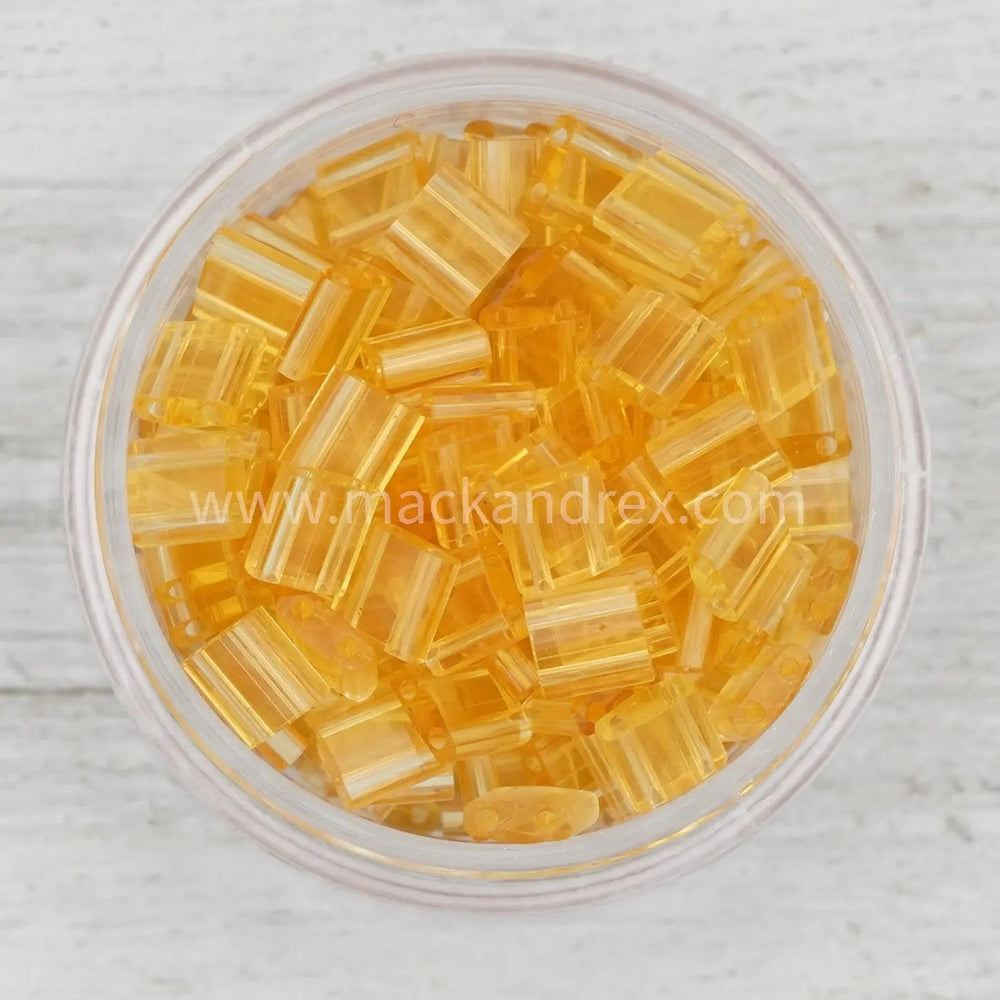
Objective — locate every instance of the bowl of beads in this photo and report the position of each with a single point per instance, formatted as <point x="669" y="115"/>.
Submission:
<point x="496" y="481"/>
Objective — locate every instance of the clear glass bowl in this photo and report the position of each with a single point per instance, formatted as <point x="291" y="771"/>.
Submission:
<point x="258" y="171"/>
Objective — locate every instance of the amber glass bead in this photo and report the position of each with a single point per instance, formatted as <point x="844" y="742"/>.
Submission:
<point x="699" y="455"/>
<point x="452" y="241"/>
<point x="495" y="484"/>
<point x="204" y="374"/>
<point x="286" y="406"/>
<point x="398" y="591"/>
<point x="589" y="638"/>
<point x="734" y="548"/>
<point x="371" y="750"/>
<point x="256" y="678"/>
<point x="347" y="660"/>
<point x="530" y="815"/>
<point x="247" y="281"/>
<point x="656" y="345"/>
<point x="501" y="166"/>
<point x="780" y="350"/>
<point x="535" y="340"/>
<point x="688" y="225"/>
<point x="424" y="354"/>
<point x="353" y="429"/>
<point x="443" y="404"/>
<point x="579" y="166"/>
<point x="451" y="460"/>
<point x="477" y="619"/>
<point x="650" y="521"/>
<point x="339" y="313"/>
<point x="558" y="527"/>
<point x="758" y="693"/>
<point x="659" y="743"/>
<point x="815" y="430"/>
<point x="566" y="269"/>
<point x="591" y="417"/>
<point x="193" y="486"/>
<point x="827" y="585"/>
<point x="311" y="534"/>
<point x="357" y="196"/>
<point x="199" y="589"/>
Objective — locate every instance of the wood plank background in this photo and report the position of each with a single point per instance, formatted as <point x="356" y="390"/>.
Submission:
<point x="881" y="880"/>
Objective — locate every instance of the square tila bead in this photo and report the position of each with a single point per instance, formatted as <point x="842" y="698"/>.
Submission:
<point x="452" y="240"/>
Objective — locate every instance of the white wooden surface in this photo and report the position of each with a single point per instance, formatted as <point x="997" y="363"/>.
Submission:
<point x="881" y="880"/>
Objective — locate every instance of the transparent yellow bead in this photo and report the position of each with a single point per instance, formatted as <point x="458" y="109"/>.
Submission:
<point x="716" y="382"/>
<point x="452" y="240"/>
<point x="246" y="281"/>
<point x="474" y="624"/>
<point x="311" y="534"/>
<point x="535" y="340"/>
<point x="566" y="764"/>
<point x="451" y="460"/>
<point x="477" y="774"/>
<point x="422" y="354"/>
<point x="515" y="671"/>
<point x="758" y="693"/>
<point x="660" y="631"/>
<point x="476" y="712"/>
<point x="733" y="646"/>
<point x="589" y="413"/>
<point x="589" y="638"/>
<point x="568" y="269"/>
<point x="538" y="453"/>
<point x="659" y="743"/>
<point x="776" y="589"/>
<point x="734" y="548"/>
<point x="372" y="750"/>
<point x="656" y="346"/>
<point x="354" y="429"/>
<point x="286" y="748"/>
<point x="436" y="788"/>
<point x="205" y="374"/>
<point x="449" y="403"/>
<point x="441" y="149"/>
<point x="676" y="217"/>
<point x="199" y="589"/>
<point x="815" y="430"/>
<point x="286" y="406"/>
<point x="338" y="315"/>
<point x="422" y="818"/>
<point x="501" y="166"/>
<point x="347" y="660"/>
<point x="466" y="714"/>
<point x="829" y="583"/>
<point x="407" y="305"/>
<point x="298" y="216"/>
<point x="295" y="242"/>
<point x="766" y="269"/>
<point x="193" y="485"/>
<point x="699" y="454"/>
<point x="817" y="501"/>
<point x="780" y="349"/>
<point x="398" y="591"/>
<point x="649" y="520"/>
<point x="558" y="527"/>
<point x="256" y="678"/>
<point x="358" y="196"/>
<point x="530" y="815"/>
<point x="698" y="636"/>
<point x="578" y="167"/>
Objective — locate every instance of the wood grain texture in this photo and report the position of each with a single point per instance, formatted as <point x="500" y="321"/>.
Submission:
<point x="880" y="881"/>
